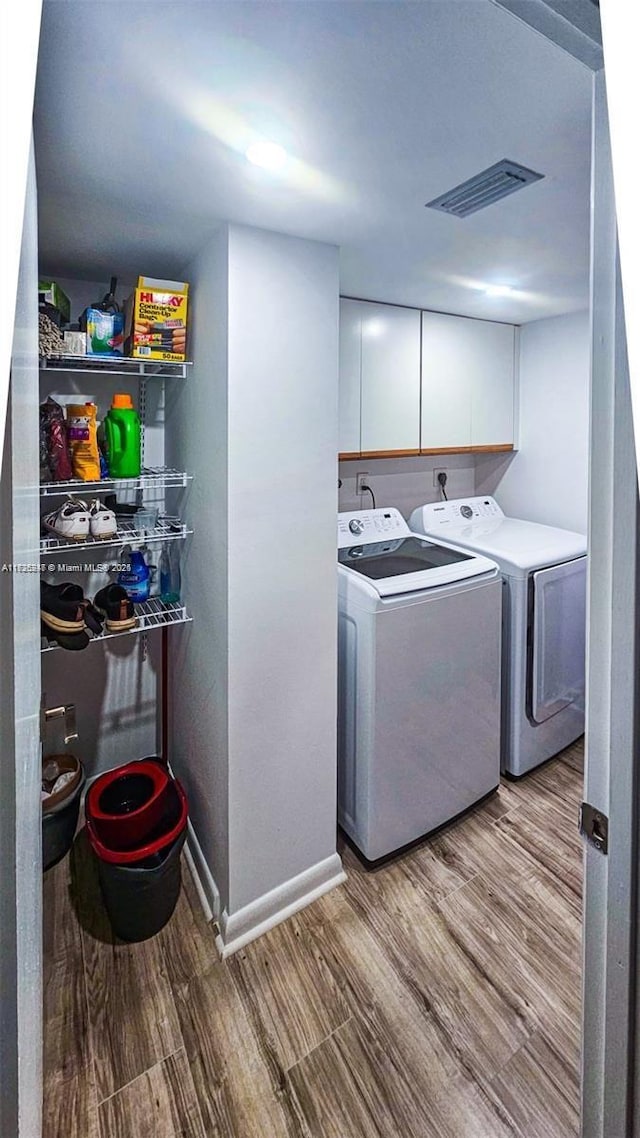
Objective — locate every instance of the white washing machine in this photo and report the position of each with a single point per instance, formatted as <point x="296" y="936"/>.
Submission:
<point x="544" y="616"/>
<point x="419" y="681"/>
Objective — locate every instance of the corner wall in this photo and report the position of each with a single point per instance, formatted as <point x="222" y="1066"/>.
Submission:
<point x="546" y="480"/>
<point x="253" y="690"/>
<point x="198" y="691"/>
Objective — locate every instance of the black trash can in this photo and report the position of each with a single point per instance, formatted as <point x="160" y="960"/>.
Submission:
<point x="140" y="885"/>
<point x="140" y="898"/>
<point x="59" y="826"/>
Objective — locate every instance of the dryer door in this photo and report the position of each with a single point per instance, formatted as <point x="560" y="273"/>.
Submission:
<point x="557" y="614"/>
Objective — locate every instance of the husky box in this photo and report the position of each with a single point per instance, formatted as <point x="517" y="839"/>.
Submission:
<point x="156" y="320"/>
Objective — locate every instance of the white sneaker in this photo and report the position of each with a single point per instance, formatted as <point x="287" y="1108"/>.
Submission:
<point x="71" y="520"/>
<point x="103" y="521"/>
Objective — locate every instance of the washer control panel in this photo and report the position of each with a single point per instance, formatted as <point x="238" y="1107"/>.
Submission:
<point x="371" y="525"/>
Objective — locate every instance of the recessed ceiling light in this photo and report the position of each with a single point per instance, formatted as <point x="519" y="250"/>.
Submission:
<point x="498" y="290"/>
<point x="268" y="155"/>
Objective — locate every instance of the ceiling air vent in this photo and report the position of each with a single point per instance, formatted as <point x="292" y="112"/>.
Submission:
<point x="503" y="178"/>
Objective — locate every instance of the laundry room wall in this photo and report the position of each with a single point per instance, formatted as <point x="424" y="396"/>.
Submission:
<point x="253" y="704"/>
<point x="405" y="482"/>
<point x="546" y="480"/>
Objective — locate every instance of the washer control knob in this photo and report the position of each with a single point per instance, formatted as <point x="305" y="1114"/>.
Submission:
<point x="466" y="511"/>
<point x="356" y="525"/>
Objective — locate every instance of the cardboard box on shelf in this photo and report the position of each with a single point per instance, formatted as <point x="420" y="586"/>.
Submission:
<point x="75" y="343"/>
<point x="156" y="320"/>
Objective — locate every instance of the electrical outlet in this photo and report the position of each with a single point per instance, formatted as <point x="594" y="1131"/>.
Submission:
<point x="362" y="478"/>
<point x="435" y="477"/>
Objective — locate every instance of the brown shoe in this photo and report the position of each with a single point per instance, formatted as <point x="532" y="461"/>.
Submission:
<point x="114" y="603"/>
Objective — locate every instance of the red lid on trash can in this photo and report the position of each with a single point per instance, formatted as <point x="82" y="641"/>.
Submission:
<point x="127" y="803"/>
<point x="158" y="843"/>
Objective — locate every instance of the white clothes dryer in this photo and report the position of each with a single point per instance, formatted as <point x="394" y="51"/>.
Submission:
<point x="544" y="617"/>
<point x="419" y="681"/>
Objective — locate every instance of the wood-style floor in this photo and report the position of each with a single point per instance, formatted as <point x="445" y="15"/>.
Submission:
<point x="437" y="997"/>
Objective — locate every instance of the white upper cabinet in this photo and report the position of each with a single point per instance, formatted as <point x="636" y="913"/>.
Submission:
<point x="460" y="397"/>
<point x="350" y="365"/>
<point x="390" y="378"/>
<point x="448" y="362"/>
<point x="493" y="393"/>
<point x="468" y="382"/>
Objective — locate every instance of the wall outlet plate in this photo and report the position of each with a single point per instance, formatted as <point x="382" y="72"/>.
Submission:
<point x="362" y="477"/>
<point x="435" y="477"/>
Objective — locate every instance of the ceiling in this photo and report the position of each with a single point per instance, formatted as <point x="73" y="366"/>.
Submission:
<point x="144" y="111"/>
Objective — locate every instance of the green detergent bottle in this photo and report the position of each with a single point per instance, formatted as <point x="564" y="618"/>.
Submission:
<point x="122" y="434"/>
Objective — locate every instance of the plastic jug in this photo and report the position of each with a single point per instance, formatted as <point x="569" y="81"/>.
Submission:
<point x="136" y="578"/>
<point x="122" y="434"/>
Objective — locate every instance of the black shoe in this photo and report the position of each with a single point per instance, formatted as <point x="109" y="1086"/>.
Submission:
<point x="92" y="618"/>
<point x="62" y="612"/>
<point x="113" y="601"/>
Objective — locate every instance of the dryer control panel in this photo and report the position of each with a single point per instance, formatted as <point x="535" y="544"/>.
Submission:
<point x="459" y="511"/>
<point x="365" y="526"/>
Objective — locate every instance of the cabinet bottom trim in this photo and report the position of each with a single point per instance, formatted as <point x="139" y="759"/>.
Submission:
<point x="447" y="450"/>
<point x="409" y="453"/>
<point x="492" y="448"/>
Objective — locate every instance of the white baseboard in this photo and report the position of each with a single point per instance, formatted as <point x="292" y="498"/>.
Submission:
<point x="206" y="887"/>
<point x="238" y="929"/>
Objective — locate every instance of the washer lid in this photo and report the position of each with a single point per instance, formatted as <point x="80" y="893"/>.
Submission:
<point x="410" y="564"/>
<point x="516" y="545"/>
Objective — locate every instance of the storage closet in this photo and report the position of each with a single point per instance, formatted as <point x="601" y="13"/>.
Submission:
<point x="118" y="682"/>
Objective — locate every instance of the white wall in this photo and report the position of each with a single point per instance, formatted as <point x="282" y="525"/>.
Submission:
<point x="283" y="442"/>
<point x="198" y="653"/>
<point x="547" y="479"/>
<point x="254" y="689"/>
<point x="405" y="482"/>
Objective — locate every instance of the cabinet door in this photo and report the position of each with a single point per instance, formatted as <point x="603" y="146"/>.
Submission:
<point x="492" y="398"/>
<point x="468" y="381"/>
<point x="349" y="383"/>
<point x="448" y="366"/>
<point x="390" y="412"/>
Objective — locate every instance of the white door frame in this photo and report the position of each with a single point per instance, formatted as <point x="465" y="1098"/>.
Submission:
<point x="611" y="947"/>
<point x="610" y="902"/>
<point x="20" y="762"/>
